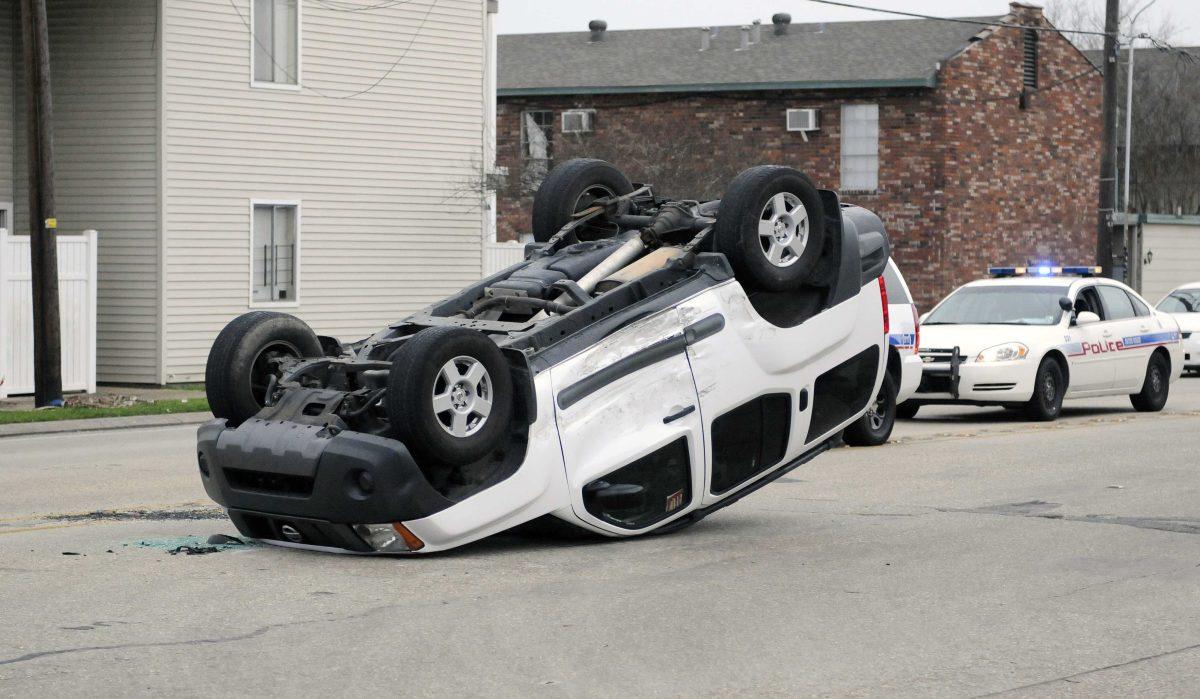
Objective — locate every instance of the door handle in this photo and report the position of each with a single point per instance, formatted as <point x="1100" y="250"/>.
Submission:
<point x="681" y="414"/>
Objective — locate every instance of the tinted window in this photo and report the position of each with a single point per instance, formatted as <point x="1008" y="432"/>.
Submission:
<point x="665" y="478"/>
<point x="1181" y="301"/>
<point x="895" y="288"/>
<point x="1116" y="303"/>
<point x="749" y="439"/>
<point x="1000" y="305"/>
<point x="1140" y="308"/>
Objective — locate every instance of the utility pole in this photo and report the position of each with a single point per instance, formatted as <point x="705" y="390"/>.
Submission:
<point x="43" y="243"/>
<point x="1108" y="142"/>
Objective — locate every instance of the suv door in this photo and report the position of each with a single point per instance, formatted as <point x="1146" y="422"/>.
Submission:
<point x="627" y="415"/>
<point x="1122" y="337"/>
<point x="1091" y="365"/>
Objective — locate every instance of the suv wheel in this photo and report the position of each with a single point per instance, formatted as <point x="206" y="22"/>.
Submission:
<point x="875" y="426"/>
<point x="570" y="188"/>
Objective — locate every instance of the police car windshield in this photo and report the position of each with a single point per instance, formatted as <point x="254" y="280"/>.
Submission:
<point x="999" y="305"/>
<point x="1181" y="301"/>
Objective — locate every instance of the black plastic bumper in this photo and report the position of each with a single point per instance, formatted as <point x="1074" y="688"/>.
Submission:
<point x="272" y="473"/>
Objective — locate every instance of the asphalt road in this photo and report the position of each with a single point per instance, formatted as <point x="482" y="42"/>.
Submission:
<point x="976" y="554"/>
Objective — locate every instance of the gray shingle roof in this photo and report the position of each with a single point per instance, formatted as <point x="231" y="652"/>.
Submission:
<point x="900" y="53"/>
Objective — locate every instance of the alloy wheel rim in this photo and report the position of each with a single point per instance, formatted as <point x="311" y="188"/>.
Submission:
<point x="875" y="413"/>
<point x="1049" y="389"/>
<point x="462" y="396"/>
<point x="783" y="229"/>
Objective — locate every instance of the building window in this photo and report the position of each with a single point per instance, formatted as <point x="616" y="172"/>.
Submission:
<point x="860" y="147"/>
<point x="6" y="216"/>
<point x="1030" y="66"/>
<point x="274" y="252"/>
<point x="537" y="146"/>
<point x="275" y="43"/>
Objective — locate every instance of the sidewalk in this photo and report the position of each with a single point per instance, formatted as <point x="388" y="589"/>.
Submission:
<point x="21" y="429"/>
<point x="142" y="393"/>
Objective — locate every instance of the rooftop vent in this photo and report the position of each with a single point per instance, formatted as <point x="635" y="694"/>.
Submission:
<point x="744" y="43"/>
<point x="598" y="27"/>
<point x="705" y="38"/>
<point x="756" y="31"/>
<point x="781" y="20"/>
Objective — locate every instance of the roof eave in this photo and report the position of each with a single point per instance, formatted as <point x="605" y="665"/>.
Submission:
<point x="927" y="81"/>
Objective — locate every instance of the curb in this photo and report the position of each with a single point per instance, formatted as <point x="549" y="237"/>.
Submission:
<point x="25" y="429"/>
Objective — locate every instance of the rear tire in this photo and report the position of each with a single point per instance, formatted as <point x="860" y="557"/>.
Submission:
<point x="771" y="228"/>
<point x="570" y="188"/>
<point x="246" y="354"/>
<point x="449" y="396"/>
<point x="1048" y="390"/>
<point x="1155" y="387"/>
<point x="875" y="426"/>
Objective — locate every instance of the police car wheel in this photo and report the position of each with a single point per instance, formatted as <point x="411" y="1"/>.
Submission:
<point x="1155" y="387"/>
<point x="907" y="410"/>
<point x="875" y="426"/>
<point x="1048" y="390"/>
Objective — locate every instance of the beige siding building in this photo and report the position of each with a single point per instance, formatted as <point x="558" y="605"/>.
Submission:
<point x="276" y="154"/>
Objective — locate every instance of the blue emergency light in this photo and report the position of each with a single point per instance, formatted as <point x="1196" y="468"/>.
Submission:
<point x="1044" y="271"/>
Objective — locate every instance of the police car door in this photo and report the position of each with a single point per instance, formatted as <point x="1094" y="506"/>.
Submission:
<point x="1126" y="336"/>
<point x="1091" y="365"/>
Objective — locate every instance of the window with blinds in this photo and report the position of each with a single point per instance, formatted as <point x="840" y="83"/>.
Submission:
<point x="276" y="43"/>
<point x="860" y="147"/>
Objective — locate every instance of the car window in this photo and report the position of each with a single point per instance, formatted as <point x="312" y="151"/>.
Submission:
<point x="1117" y="305"/>
<point x="895" y="287"/>
<point x="1089" y="301"/>
<point x="1000" y="305"/>
<point x="1181" y="301"/>
<point x="1140" y="308"/>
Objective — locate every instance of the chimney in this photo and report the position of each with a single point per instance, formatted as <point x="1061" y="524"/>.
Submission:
<point x="781" y="20"/>
<point x="756" y="31"/>
<point x="745" y="42"/>
<point x="705" y="38"/>
<point x="598" y="27"/>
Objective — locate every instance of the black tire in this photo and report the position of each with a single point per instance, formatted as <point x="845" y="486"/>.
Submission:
<point x="737" y="231"/>
<point x="417" y="372"/>
<point x="244" y="356"/>
<point x="1155" y="387"/>
<point x="1049" y="387"/>
<point x="907" y="410"/>
<point x="572" y="187"/>
<point x="875" y="426"/>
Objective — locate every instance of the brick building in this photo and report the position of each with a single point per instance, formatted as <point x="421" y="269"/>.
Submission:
<point x="977" y="143"/>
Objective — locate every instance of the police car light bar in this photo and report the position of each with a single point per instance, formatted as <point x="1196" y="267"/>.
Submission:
<point x="1043" y="271"/>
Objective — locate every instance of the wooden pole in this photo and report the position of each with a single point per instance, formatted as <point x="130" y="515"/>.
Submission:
<point x="43" y="225"/>
<point x="1108" y="140"/>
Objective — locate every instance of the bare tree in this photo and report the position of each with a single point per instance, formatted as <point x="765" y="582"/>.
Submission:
<point x="1088" y="15"/>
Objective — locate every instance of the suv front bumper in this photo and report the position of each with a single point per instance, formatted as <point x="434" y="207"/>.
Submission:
<point x="300" y="484"/>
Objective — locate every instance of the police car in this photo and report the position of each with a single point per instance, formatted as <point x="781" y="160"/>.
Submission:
<point x="903" y="366"/>
<point x="1031" y="336"/>
<point x="1184" y="304"/>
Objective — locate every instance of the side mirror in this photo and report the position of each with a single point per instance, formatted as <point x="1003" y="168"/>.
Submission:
<point x="1065" y="304"/>
<point x="1086" y="318"/>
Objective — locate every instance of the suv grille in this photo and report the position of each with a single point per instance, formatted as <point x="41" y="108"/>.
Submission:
<point x="265" y="482"/>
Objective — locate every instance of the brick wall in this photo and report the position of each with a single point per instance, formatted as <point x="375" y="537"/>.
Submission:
<point x="963" y="183"/>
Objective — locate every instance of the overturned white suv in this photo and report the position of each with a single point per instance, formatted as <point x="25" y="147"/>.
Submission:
<point x="651" y="361"/>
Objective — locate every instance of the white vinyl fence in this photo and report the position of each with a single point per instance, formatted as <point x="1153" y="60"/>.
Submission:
<point x="77" y="308"/>
<point x="497" y="256"/>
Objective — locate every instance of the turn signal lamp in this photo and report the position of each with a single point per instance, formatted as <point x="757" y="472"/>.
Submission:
<point x="390" y="538"/>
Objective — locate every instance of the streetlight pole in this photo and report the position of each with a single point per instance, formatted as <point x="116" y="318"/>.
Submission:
<point x="1108" y="141"/>
<point x="1131" y="264"/>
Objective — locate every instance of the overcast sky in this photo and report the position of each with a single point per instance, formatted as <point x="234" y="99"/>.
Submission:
<point x="531" y="16"/>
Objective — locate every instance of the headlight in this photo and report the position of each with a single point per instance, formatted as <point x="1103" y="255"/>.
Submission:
<point x="1007" y="352"/>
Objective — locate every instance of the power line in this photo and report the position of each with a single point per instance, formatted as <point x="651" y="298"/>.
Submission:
<point x="960" y="20"/>
<point x="389" y="3"/>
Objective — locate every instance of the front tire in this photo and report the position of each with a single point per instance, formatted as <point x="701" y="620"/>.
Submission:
<point x="771" y="228"/>
<point x="449" y="396"/>
<point x="1049" y="386"/>
<point x="1156" y="386"/>
<point x="244" y="357"/>
<point x="875" y="426"/>
<point x="571" y="188"/>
